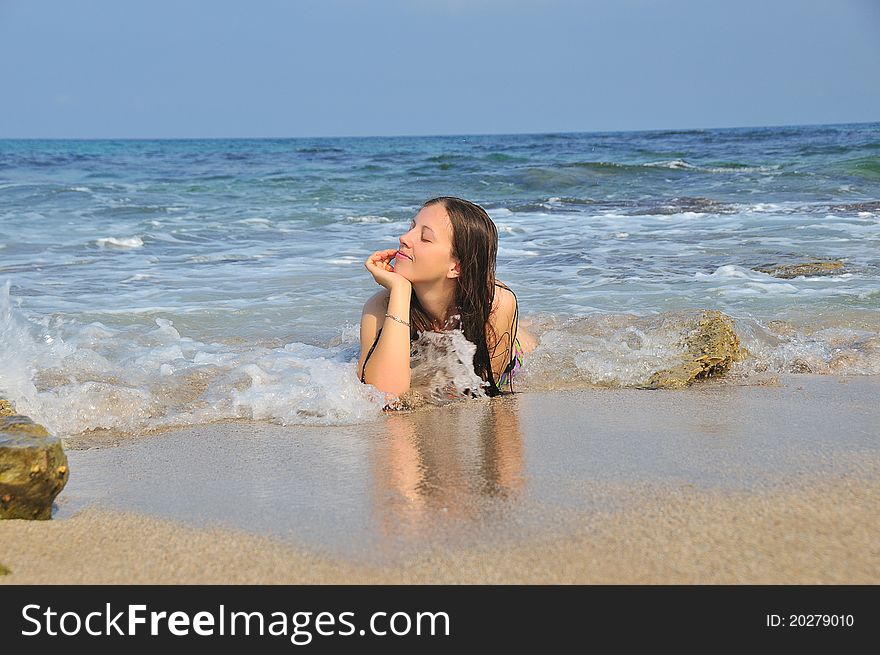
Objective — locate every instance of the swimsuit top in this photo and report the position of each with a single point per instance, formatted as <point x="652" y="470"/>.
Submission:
<point x="507" y="375"/>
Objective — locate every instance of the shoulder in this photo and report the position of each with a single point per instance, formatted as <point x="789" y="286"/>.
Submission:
<point x="371" y="322"/>
<point x="378" y="302"/>
<point x="373" y="315"/>
<point x="504" y="302"/>
<point x="503" y="315"/>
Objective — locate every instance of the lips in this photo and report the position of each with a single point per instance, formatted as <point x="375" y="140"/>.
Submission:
<point x="400" y="254"/>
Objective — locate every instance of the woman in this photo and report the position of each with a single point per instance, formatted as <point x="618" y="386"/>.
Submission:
<point x="445" y="266"/>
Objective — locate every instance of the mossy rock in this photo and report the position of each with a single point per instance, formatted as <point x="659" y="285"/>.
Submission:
<point x="4" y="570"/>
<point x="812" y="269"/>
<point x="711" y="348"/>
<point x="6" y="408"/>
<point x="33" y="469"/>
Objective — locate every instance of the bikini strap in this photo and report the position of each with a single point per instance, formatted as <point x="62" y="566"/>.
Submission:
<point x="364" y="369"/>
<point x="515" y="322"/>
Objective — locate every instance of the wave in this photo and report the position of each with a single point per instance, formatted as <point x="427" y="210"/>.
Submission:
<point x="649" y="206"/>
<point x="447" y="158"/>
<point x="622" y="168"/>
<point x="125" y="242"/>
<point x="623" y="350"/>
<point x="503" y="157"/>
<point x="368" y="219"/>
<point x="319" y="149"/>
<point x="76" y="378"/>
<point x="869" y="206"/>
<point x="865" y="167"/>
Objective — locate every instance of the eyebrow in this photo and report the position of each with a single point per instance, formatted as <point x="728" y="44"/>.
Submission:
<point x="425" y="227"/>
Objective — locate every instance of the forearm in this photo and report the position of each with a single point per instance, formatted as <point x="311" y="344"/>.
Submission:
<point x="388" y="369"/>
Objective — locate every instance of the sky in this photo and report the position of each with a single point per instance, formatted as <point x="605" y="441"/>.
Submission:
<point x="312" y="68"/>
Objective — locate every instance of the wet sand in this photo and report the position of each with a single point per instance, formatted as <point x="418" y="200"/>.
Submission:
<point x="719" y="483"/>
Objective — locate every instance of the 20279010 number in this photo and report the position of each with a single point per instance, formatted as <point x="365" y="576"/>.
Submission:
<point x="810" y="621"/>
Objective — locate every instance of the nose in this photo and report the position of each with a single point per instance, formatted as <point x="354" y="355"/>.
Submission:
<point x="403" y="240"/>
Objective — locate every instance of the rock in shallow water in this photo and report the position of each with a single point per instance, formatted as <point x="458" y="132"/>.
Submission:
<point x="812" y="269"/>
<point x="6" y="408"/>
<point x="712" y="346"/>
<point x="33" y="468"/>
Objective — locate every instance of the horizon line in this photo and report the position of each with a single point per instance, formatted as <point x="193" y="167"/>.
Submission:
<point x="428" y="136"/>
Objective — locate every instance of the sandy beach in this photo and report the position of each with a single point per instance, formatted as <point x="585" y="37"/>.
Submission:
<point x="718" y="483"/>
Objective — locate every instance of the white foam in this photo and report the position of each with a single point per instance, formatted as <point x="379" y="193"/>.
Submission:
<point x="368" y="218"/>
<point x="757" y="288"/>
<point x="767" y="207"/>
<point x="743" y="169"/>
<point x="826" y="351"/>
<point x="293" y="386"/>
<point x="100" y="377"/>
<point x="442" y="366"/>
<point x="734" y="272"/>
<point x="677" y="164"/>
<point x="620" y="350"/>
<point x="514" y="252"/>
<point x="126" y="242"/>
<point x="223" y="257"/>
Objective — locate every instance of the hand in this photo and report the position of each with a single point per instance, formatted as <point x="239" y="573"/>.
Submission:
<point x="380" y="268"/>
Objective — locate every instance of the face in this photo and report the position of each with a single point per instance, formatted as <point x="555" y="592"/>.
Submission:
<point x="429" y="243"/>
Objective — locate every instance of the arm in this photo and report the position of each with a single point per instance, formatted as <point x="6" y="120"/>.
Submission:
<point x="503" y="319"/>
<point x="388" y="368"/>
<point x="526" y="339"/>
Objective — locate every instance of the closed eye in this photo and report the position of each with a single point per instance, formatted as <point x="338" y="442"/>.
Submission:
<point x="412" y="225"/>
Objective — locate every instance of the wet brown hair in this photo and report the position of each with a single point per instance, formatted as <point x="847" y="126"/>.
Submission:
<point x="475" y="246"/>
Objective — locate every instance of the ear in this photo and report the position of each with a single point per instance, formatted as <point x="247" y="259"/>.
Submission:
<point x="455" y="271"/>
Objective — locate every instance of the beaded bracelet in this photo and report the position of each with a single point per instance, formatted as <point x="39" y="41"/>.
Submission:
<point x="399" y="320"/>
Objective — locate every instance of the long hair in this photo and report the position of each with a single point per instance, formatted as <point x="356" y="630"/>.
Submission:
<point x="475" y="246"/>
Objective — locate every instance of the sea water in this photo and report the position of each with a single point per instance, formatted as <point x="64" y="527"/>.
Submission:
<point x="146" y="284"/>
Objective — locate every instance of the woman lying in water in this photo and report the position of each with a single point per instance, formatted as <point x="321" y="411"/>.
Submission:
<point x="443" y="277"/>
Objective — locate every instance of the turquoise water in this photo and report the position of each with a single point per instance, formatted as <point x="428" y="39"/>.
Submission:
<point x="151" y="283"/>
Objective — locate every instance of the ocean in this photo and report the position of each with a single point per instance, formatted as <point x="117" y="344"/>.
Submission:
<point x="147" y="284"/>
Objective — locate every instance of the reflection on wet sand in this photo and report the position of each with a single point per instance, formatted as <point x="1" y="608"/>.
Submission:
<point x="425" y="469"/>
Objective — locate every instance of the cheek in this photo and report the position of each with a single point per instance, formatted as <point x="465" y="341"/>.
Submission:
<point x="429" y="256"/>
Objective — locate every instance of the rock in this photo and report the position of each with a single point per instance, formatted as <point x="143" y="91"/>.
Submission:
<point x="789" y="271"/>
<point x="4" y="570"/>
<point x="712" y="346"/>
<point x="33" y="469"/>
<point x="855" y="207"/>
<point x="6" y="408"/>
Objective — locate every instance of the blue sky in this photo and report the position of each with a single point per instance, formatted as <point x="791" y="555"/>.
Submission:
<point x="261" y="68"/>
